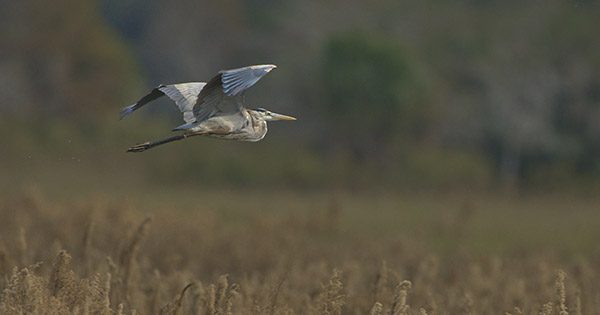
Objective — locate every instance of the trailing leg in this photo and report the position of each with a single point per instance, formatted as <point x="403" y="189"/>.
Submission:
<point x="140" y="147"/>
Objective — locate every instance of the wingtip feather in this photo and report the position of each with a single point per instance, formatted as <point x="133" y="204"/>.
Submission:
<point x="127" y="110"/>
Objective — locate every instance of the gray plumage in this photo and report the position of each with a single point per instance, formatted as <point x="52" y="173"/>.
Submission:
<point x="214" y="109"/>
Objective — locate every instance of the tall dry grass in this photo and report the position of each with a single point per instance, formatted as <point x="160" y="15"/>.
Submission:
<point x="107" y="257"/>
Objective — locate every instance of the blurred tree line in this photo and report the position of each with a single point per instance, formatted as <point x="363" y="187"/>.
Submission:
<point x="430" y="91"/>
<point x="62" y="59"/>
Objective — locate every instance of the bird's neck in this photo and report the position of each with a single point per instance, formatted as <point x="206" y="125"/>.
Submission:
<point x="259" y="125"/>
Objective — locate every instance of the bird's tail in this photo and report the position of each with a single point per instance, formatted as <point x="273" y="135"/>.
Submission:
<point x="128" y="110"/>
<point x="140" y="147"/>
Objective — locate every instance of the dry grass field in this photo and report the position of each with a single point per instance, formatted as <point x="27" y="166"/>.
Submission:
<point x="298" y="253"/>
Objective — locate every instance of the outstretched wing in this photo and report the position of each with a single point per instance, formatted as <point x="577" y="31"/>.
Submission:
<point x="223" y="94"/>
<point x="237" y="80"/>
<point x="183" y="94"/>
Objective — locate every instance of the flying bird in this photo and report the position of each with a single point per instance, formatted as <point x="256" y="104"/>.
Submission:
<point x="215" y="109"/>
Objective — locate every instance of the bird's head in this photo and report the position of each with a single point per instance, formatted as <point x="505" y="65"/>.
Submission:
<point x="267" y="115"/>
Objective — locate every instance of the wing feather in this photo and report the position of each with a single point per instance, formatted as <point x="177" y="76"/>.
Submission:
<point x="238" y="80"/>
<point x="184" y="95"/>
<point x="154" y="94"/>
<point x="223" y="94"/>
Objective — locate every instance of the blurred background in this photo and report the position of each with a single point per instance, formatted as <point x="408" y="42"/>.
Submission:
<point x="427" y="99"/>
<point x="486" y="95"/>
<point x="457" y="140"/>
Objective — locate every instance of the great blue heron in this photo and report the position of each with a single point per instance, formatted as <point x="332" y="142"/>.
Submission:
<point x="214" y="109"/>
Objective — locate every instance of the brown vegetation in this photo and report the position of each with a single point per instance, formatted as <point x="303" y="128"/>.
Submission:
<point x="105" y="257"/>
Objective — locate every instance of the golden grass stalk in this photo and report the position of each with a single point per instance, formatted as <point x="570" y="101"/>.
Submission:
<point x="381" y="280"/>
<point x="87" y="241"/>
<point x="222" y="285"/>
<point x="400" y="307"/>
<point x="62" y="281"/>
<point x="106" y="296"/>
<point x="274" y="297"/>
<point x="377" y="309"/>
<point x="155" y="295"/>
<point x="173" y="307"/>
<point x="198" y="293"/>
<point x="210" y="300"/>
<point x="330" y="300"/>
<point x="546" y="309"/>
<point x="22" y="247"/>
<point x="561" y="292"/>
<point x="233" y="291"/>
<point x="216" y="300"/>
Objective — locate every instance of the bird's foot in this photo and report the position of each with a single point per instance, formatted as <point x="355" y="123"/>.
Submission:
<point x="140" y="147"/>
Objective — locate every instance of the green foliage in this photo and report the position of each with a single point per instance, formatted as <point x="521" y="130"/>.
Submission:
<point x="370" y="91"/>
<point x="69" y="61"/>
<point x="471" y="82"/>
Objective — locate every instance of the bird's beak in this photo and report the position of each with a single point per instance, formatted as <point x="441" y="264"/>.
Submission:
<point x="275" y="116"/>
